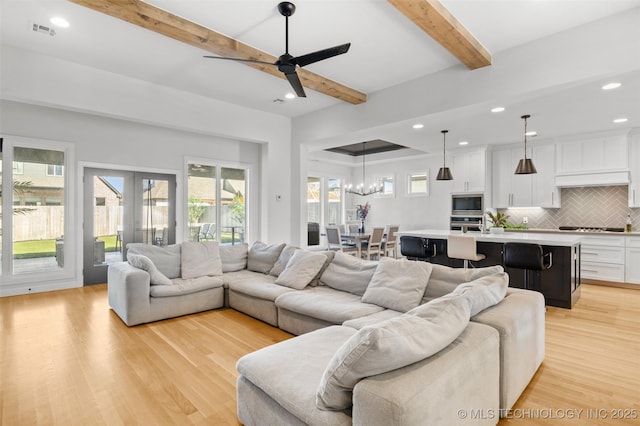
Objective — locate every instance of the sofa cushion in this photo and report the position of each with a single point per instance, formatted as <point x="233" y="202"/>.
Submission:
<point x="255" y="284"/>
<point x="330" y="255"/>
<point x="484" y="292"/>
<point x="262" y="257"/>
<point x="390" y="345"/>
<point x="166" y="258"/>
<point x="398" y="284"/>
<point x="348" y="273"/>
<point x="372" y="319"/>
<point x="444" y="279"/>
<point x="234" y="258"/>
<point x="143" y="262"/>
<point x="283" y="259"/>
<point x="181" y="286"/>
<point x="200" y="259"/>
<point x="289" y="373"/>
<point x="326" y="304"/>
<point x="303" y="266"/>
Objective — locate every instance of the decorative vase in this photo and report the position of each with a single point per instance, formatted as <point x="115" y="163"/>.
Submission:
<point x="496" y="230"/>
<point x="361" y="230"/>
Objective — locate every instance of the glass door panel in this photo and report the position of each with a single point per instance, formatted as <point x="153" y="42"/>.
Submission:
<point x="232" y="197"/>
<point x="201" y="209"/>
<point x="313" y="211"/>
<point x="122" y="207"/>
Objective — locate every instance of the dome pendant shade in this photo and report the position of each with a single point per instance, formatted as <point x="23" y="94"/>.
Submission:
<point x="444" y="174"/>
<point x="526" y="167"/>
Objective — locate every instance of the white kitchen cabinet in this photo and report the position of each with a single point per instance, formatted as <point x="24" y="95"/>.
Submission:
<point x="594" y="154"/>
<point x="468" y="169"/>
<point x="603" y="258"/>
<point x="632" y="260"/>
<point x="545" y="192"/>
<point x="634" y="168"/>
<point x="536" y="190"/>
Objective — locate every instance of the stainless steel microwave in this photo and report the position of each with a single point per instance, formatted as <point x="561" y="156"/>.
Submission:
<point x="467" y="204"/>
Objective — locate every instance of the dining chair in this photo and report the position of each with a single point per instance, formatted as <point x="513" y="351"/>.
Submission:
<point x="389" y="243"/>
<point x="334" y="241"/>
<point x="374" y="245"/>
<point x="354" y="228"/>
<point x="463" y="247"/>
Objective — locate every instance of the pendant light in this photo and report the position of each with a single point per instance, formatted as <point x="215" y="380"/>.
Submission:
<point x="359" y="190"/>
<point x="525" y="165"/>
<point x="444" y="173"/>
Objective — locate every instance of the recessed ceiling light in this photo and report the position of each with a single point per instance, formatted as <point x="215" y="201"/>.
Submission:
<point x="497" y="109"/>
<point x="463" y="143"/>
<point x="290" y="96"/>
<point x="59" y="21"/>
<point x="620" y="120"/>
<point x="418" y="126"/>
<point x="613" y="85"/>
<point x="532" y="133"/>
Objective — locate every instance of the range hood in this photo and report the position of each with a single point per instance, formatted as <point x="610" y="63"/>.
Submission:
<point x="593" y="179"/>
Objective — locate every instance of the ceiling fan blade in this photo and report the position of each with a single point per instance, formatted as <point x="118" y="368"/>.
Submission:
<point x="255" y="61"/>
<point x="296" y="84"/>
<point x="323" y="54"/>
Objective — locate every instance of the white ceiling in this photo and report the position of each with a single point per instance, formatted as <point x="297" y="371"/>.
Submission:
<point x="387" y="49"/>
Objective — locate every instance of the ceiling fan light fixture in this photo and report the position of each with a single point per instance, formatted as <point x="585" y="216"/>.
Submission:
<point x="444" y="173"/>
<point x="525" y="165"/>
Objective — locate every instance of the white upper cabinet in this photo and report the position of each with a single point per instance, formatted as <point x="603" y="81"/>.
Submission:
<point x="468" y="169"/>
<point x="536" y="190"/>
<point x="545" y="192"/>
<point x="634" y="168"/>
<point x="594" y="154"/>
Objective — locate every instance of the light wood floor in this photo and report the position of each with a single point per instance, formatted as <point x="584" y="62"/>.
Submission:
<point x="66" y="358"/>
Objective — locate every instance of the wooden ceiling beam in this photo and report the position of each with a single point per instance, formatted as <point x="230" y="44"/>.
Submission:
<point x="434" y="19"/>
<point x="162" y="22"/>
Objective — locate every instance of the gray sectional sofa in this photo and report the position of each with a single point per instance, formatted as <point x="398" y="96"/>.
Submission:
<point x="389" y="342"/>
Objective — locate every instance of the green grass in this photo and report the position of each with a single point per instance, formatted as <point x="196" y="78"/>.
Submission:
<point x="47" y="248"/>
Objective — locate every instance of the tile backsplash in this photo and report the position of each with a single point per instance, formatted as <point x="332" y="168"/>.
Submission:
<point x="600" y="206"/>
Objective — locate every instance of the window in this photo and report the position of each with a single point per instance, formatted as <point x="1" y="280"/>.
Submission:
<point x="313" y="200"/>
<point x="18" y="167"/>
<point x="417" y="183"/>
<point x="217" y="207"/>
<point x="54" y="169"/>
<point x="100" y="201"/>
<point x="388" y="187"/>
<point x="334" y="201"/>
<point x="38" y="214"/>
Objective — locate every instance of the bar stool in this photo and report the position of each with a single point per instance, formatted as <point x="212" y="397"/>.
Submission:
<point x="527" y="256"/>
<point x="463" y="247"/>
<point x="416" y="248"/>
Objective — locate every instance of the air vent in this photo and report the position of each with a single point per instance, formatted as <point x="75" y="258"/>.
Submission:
<point x="42" y="29"/>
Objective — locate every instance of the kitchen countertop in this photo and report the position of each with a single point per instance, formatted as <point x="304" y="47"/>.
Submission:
<point x="558" y="238"/>
<point x="590" y="233"/>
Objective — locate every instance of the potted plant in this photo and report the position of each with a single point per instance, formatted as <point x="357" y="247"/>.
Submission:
<point x="498" y="221"/>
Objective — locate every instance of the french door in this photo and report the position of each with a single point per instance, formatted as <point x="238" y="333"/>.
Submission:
<point x="122" y="207"/>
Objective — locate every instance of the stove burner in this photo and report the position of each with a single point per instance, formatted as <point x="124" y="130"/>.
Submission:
<point x="589" y="229"/>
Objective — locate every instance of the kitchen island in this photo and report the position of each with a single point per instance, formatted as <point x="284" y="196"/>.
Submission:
<point x="560" y="284"/>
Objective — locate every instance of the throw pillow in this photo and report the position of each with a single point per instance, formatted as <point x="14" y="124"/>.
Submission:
<point x="389" y="345"/>
<point x="283" y="259"/>
<point x="262" y="257"/>
<point x="444" y="279"/>
<point x="234" y="258"/>
<point x="303" y="266"/>
<point x="166" y="258"/>
<point x="329" y="257"/>
<point x="484" y="292"/>
<point x="348" y="273"/>
<point x="200" y="259"/>
<point x="398" y="284"/>
<point x="143" y="262"/>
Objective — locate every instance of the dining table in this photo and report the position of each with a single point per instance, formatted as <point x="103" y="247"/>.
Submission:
<point x="356" y="238"/>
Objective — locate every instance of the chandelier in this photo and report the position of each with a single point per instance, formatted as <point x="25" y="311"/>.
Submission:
<point x="360" y="189"/>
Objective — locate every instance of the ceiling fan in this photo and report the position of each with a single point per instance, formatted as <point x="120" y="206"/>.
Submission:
<point x="286" y="63"/>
